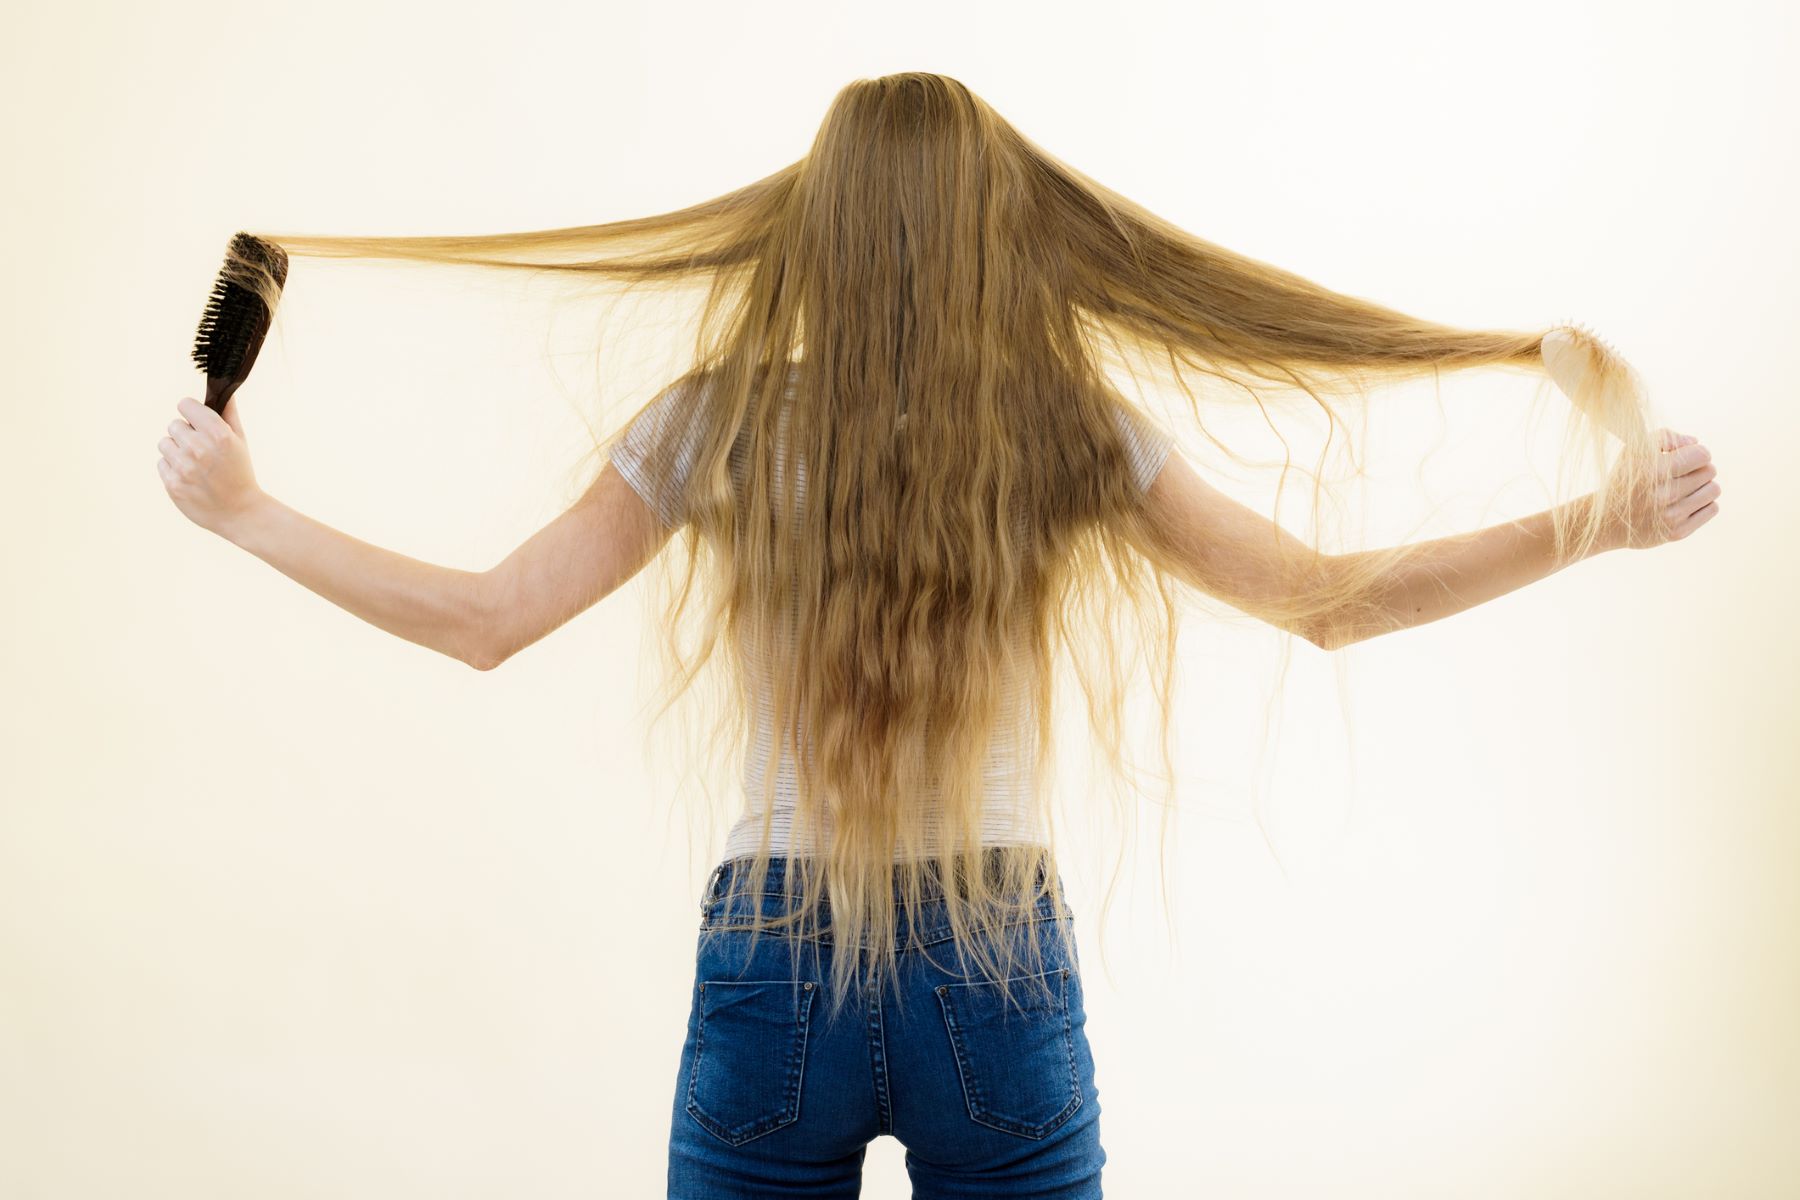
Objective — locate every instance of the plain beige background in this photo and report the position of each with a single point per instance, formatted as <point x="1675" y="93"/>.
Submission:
<point x="291" y="908"/>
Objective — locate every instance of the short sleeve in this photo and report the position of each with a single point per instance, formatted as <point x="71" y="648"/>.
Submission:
<point x="1147" y="445"/>
<point x="657" y="451"/>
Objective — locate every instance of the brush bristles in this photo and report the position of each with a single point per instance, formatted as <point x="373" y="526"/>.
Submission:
<point x="235" y="317"/>
<point x="1585" y="334"/>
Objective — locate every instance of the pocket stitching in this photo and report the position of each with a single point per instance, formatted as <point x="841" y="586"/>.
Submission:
<point x="971" y="1090"/>
<point x="796" y="1069"/>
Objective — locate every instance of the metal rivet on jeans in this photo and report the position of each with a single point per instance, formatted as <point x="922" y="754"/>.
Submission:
<point x="809" y="985"/>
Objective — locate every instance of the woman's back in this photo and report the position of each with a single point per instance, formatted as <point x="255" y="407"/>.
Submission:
<point x="1009" y="812"/>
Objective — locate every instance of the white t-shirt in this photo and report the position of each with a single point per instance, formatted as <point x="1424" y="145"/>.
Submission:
<point x="1006" y="812"/>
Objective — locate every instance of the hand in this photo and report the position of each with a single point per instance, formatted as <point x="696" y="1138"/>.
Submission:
<point x="205" y="465"/>
<point x="1676" y="496"/>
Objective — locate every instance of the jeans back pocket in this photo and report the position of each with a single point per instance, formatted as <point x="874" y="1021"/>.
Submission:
<point x="749" y="1056"/>
<point x="1016" y="1057"/>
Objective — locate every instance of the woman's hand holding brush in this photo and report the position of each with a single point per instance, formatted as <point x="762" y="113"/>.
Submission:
<point x="205" y="466"/>
<point x="1671" y="497"/>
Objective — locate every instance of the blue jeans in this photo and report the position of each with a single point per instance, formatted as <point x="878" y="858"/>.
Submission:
<point x="774" y="1097"/>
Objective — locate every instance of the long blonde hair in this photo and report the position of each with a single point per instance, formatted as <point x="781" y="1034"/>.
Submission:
<point x="924" y="259"/>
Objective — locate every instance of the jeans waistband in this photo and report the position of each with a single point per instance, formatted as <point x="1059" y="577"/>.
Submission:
<point x="718" y="885"/>
<point x="926" y="925"/>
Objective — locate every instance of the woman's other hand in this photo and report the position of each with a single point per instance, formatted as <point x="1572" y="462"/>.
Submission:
<point x="205" y="465"/>
<point x="1676" y="497"/>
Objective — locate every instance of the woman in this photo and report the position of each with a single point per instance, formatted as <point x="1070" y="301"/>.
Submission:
<point x="905" y="483"/>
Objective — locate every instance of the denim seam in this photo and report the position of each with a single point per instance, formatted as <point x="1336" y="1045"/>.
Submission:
<point x="877" y="1028"/>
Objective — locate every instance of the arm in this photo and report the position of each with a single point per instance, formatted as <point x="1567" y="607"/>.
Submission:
<point x="1219" y="546"/>
<point x="1447" y="575"/>
<point x="481" y="618"/>
<point x="1669" y="496"/>
<point x="570" y="565"/>
<point x="441" y="608"/>
<point x="204" y="463"/>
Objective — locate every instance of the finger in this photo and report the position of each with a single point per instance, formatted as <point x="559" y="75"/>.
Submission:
<point x="181" y="433"/>
<point x="1700" y="517"/>
<point x="234" y="413"/>
<point x="1691" y="503"/>
<point x="1685" y="484"/>
<point x="1686" y="458"/>
<point x="175" y="454"/>
<point x="1677" y="486"/>
<point x="201" y="417"/>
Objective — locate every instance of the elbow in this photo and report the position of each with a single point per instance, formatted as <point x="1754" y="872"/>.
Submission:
<point x="1313" y="629"/>
<point x="1324" y="618"/>
<point x="1321" y="638"/>
<point x="485" y="654"/>
<point x="483" y="632"/>
<point x="1327" y="635"/>
<point x="482" y="652"/>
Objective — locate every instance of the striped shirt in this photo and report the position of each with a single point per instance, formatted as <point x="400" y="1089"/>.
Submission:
<point x="1007" y="816"/>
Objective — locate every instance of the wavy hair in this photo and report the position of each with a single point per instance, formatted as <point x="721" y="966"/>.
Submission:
<point x="932" y="314"/>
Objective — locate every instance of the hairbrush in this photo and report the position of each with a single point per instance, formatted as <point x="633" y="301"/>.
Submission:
<point x="1595" y="377"/>
<point x="238" y="313"/>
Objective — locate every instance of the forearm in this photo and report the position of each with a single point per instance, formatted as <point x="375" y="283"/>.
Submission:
<point x="1448" y="575"/>
<point x="441" y="608"/>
